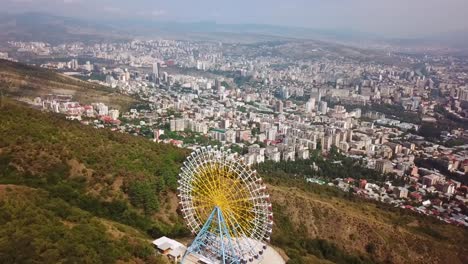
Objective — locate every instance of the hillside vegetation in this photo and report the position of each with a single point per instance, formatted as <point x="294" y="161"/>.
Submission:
<point x="113" y="177"/>
<point x="20" y="80"/>
<point x="105" y="195"/>
<point x="39" y="228"/>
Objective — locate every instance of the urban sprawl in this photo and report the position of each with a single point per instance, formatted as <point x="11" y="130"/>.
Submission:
<point x="278" y="102"/>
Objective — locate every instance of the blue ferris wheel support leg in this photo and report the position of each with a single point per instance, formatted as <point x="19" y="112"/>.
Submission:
<point x="214" y="241"/>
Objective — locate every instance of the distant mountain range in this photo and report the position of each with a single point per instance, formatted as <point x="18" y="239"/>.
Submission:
<point x="53" y="29"/>
<point x="56" y="29"/>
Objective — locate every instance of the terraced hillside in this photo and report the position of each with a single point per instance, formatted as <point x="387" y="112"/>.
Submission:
<point x="20" y="80"/>
<point x="68" y="191"/>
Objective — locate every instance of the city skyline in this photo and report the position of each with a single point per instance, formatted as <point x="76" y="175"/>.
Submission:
<point x="233" y="131"/>
<point x="392" y="19"/>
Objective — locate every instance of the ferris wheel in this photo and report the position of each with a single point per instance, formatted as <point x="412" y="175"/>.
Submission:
<point x="226" y="205"/>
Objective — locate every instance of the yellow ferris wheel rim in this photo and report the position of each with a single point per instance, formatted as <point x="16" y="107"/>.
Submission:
<point x="212" y="177"/>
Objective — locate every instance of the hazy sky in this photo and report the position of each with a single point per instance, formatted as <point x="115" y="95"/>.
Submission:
<point x="390" y="17"/>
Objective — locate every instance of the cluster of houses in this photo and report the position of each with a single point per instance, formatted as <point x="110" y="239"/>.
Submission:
<point x="431" y="194"/>
<point x="64" y="104"/>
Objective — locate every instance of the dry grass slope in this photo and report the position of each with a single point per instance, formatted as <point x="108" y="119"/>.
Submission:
<point x="21" y="80"/>
<point x="353" y="226"/>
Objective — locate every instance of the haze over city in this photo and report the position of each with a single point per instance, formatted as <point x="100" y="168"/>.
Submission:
<point x="396" y="18"/>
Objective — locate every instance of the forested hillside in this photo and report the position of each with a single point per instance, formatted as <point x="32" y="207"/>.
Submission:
<point x="69" y="192"/>
<point x="83" y="176"/>
<point x="37" y="227"/>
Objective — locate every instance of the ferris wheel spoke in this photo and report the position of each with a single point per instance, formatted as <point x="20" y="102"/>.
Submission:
<point x="202" y="181"/>
<point x="237" y="229"/>
<point x="211" y="178"/>
<point x="244" y="236"/>
<point x="237" y="216"/>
